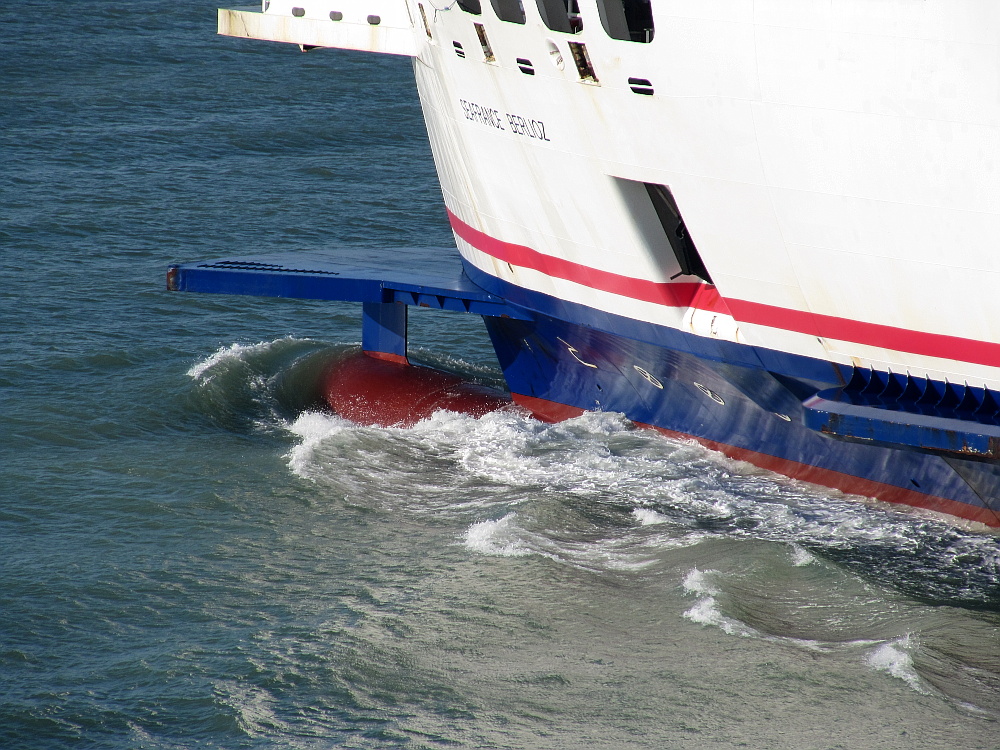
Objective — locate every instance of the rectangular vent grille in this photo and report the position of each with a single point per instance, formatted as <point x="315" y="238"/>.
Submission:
<point x="526" y="67"/>
<point x="640" y="86"/>
<point x="459" y="50"/>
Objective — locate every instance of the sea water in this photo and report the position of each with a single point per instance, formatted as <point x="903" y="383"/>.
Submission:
<point x="194" y="555"/>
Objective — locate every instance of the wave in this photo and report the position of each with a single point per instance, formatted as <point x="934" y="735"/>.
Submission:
<point x="894" y="658"/>
<point x="763" y="557"/>
<point x="259" y="386"/>
<point x="602" y="481"/>
<point x="500" y="537"/>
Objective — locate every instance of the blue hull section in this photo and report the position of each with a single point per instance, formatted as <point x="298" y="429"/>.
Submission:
<point x="725" y="396"/>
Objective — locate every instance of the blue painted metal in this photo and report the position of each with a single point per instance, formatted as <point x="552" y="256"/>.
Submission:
<point x="850" y="403"/>
<point x="816" y="372"/>
<point x="383" y="328"/>
<point x="907" y="412"/>
<point x="304" y="277"/>
<point x="759" y="411"/>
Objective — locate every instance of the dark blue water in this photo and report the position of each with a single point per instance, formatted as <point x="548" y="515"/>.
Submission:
<point x="193" y="556"/>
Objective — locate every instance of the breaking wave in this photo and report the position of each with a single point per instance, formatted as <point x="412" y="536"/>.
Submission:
<point x="500" y="537"/>
<point x="893" y="657"/>
<point x="705" y="611"/>
<point x="259" y="386"/>
<point x="214" y="364"/>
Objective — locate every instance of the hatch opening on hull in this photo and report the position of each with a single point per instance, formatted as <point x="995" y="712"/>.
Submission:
<point x="583" y="65"/>
<point x="629" y="20"/>
<point x="471" y="6"/>
<point x="688" y="258"/>
<point x="484" y="42"/>
<point x="423" y="17"/>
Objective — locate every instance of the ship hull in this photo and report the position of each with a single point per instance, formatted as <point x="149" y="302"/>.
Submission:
<point x="726" y="400"/>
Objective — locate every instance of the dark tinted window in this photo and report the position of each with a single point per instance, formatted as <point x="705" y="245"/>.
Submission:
<point x="509" y="10"/>
<point x="631" y="20"/>
<point x="561" y="15"/>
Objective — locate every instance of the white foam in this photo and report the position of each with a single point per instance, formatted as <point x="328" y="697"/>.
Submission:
<point x="511" y="448"/>
<point x="706" y="610"/>
<point x="313" y="428"/>
<point x="443" y="424"/>
<point x="498" y="538"/>
<point x="894" y="658"/>
<point x="647" y="517"/>
<point x="801" y="557"/>
<point x="200" y="370"/>
<point x="698" y="582"/>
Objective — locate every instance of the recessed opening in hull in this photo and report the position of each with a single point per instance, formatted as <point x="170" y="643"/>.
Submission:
<point x="676" y="232"/>
<point x="660" y="230"/>
<point x="484" y="42"/>
<point x="582" y="60"/>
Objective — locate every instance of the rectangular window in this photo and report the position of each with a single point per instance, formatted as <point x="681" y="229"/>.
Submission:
<point x="631" y="20"/>
<point x="561" y="15"/>
<point x="509" y="10"/>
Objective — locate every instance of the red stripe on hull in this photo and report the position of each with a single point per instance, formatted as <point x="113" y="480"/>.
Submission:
<point x="681" y="294"/>
<point x="706" y="297"/>
<point x="869" y="334"/>
<point x="546" y="411"/>
<point x="398" y="359"/>
<point x="550" y="411"/>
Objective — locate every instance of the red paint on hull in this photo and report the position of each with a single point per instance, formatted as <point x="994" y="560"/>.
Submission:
<point x="546" y="411"/>
<point x="389" y="393"/>
<point x="399" y="359"/>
